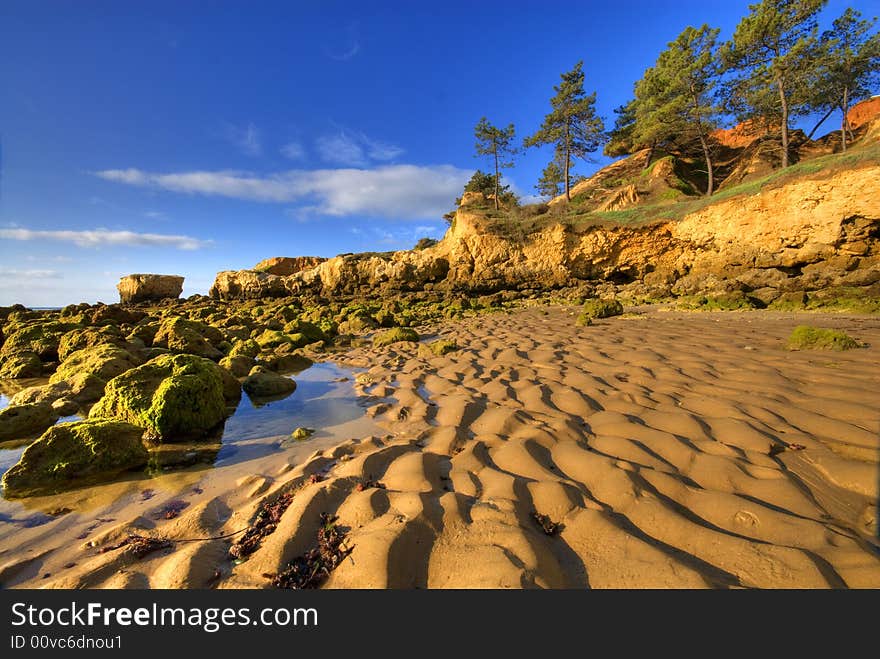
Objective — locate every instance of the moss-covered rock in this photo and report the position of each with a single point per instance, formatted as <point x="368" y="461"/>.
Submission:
<point x="81" y="390"/>
<point x="262" y="383"/>
<point x="599" y="308"/>
<point x="438" y="348"/>
<point x="188" y="337"/>
<point x="26" y="420"/>
<point x="71" y="454"/>
<point x="239" y="365"/>
<point x="357" y="323"/>
<point x="395" y="335"/>
<point x="271" y="339"/>
<point x="87" y="337"/>
<point x="24" y="364"/>
<point x="311" y="331"/>
<point x="805" y="337"/>
<point x="145" y="331"/>
<point x="171" y="396"/>
<point x="792" y="301"/>
<point x="41" y="338"/>
<point x="302" y="433"/>
<point x="103" y="361"/>
<point x="584" y="319"/>
<point x="245" y="348"/>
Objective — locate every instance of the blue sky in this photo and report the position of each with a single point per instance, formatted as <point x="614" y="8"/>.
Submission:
<point x="192" y="137"/>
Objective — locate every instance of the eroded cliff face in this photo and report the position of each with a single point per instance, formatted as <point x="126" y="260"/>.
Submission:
<point x="804" y="235"/>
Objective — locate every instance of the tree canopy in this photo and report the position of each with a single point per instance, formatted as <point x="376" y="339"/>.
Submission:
<point x="497" y="143"/>
<point x="572" y="126"/>
<point x="771" y="57"/>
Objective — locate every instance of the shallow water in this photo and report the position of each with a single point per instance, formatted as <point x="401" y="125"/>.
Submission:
<point x="323" y="400"/>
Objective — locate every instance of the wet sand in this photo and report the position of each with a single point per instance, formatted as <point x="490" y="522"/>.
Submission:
<point x="646" y="437"/>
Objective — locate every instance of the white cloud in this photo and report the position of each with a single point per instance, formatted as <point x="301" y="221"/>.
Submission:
<point x="392" y="191"/>
<point x="354" y="149"/>
<point x="155" y="215"/>
<point x="293" y="151"/>
<point x="102" y="237"/>
<point x="246" y="138"/>
<point x="29" y="274"/>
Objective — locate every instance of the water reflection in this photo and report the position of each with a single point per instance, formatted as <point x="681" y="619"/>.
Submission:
<point x="324" y="399"/>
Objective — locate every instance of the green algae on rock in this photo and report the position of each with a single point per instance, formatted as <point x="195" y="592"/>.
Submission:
<point x="805" y="337"/>
<point x="262" y="382"/>
<point x="188" y="337"/>
<point x="438" y="348"/>
<point x="88" y="337"/>
<point x="395" y="335"/>
<point x="104" y="361"/>
<point x="171" y="396"/>
<point x="71" y="454"/>
<point x="26" y="420"/>
<point x="24" y="364"/>
<point x="597" y="308"/>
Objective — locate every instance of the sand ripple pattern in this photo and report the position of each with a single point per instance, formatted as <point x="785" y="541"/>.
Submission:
<point x="647" y="438"/>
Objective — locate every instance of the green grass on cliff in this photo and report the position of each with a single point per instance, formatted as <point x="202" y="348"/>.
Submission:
<point x="528" y="219"/>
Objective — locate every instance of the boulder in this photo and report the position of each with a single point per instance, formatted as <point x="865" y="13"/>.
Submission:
<point x="82" y="389"/>
<point x="24" y="364"/>
<point x="23" y="421"/>
<point x="262" y="383"/>
<point x="238" y="365"/>
<point x="140" y="288"/>
<point x="87" y="337"/>
<point x="171" y="396"/>
<point x="597" y="308"/>
<point x="395" y="335"/>
<point x="103" y="361"/>
<point x="41" y="338"/>
<point x="287" y="265"/>
<point x="71" y="454"/>
<point x="186" y="336"/>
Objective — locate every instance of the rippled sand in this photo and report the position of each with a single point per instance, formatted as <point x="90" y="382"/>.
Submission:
<point x="646" y="437"/>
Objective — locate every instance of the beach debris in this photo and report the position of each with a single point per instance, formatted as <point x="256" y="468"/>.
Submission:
<point x="139" y="545"/>
<point x="367" y="483"/>
<point x="776" y="449"/>
<point x="265" y="522"/>
<point x="147" y="494"/>
<point x="547" y="525"/>
<point x="316" y="478"/>
<point x="197" y="490"/>
<point x="312" y="568"/>
<point x="171" y="509"/>
<point x="67" y="566"/>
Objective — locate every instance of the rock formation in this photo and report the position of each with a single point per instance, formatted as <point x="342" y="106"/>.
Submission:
<point x="806" y="234"/>
<point x="287" y="265"/>
<point x="140" y="288"/>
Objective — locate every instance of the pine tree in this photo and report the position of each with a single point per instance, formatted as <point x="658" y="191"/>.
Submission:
<point x="572" y="126"/>
<point x="495" y="142"/>
<point x="849" y="65"/>
<point x="772" y="56"/>
<point x="674" y="100"/>
<point x="551" y="180"/>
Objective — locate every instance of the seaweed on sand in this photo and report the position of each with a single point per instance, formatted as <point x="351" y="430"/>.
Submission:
<point x="267" y="519"/>
<point x="312" y="568"/>
<point x="139" y="545"/>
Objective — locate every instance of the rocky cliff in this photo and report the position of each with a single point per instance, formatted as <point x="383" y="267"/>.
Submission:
<point x="802" y="230"/>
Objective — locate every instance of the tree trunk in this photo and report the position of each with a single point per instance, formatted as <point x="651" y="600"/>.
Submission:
<point x="650" y="154"/>
<point x="567" y="159"/>
<point x="781" y="83"/>
<point x="496" y="178"/>
<point x="710" y="186"/>
<point x="844" y="123"/>
<point x="821" y="121"/>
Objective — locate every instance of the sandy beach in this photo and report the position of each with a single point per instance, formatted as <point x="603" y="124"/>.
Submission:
<point x="660" y="449"/>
